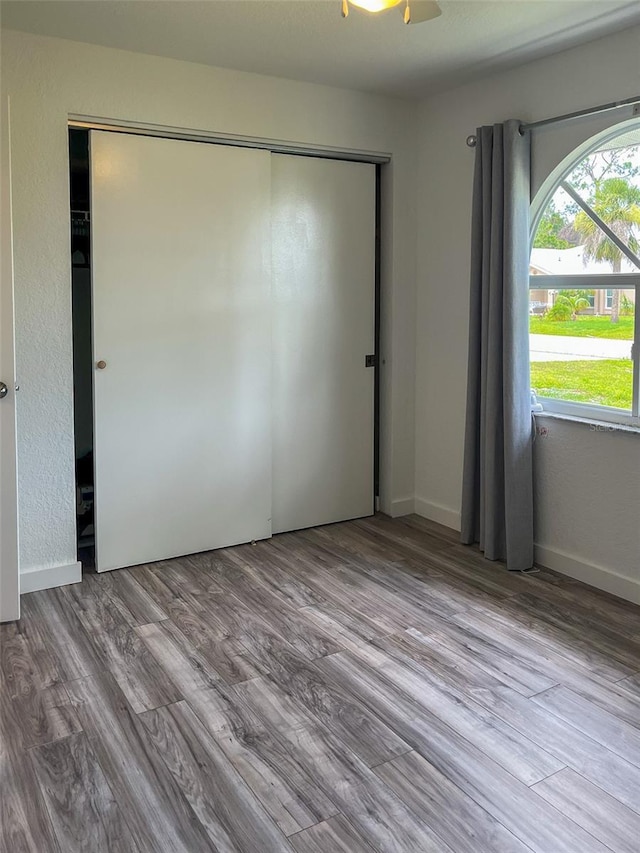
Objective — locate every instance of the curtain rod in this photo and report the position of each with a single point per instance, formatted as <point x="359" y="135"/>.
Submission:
<point x="603" y="108"/>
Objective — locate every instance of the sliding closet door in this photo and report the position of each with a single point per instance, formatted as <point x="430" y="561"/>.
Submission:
<point x="182" y="338"/>
<point x="323" y="225"/>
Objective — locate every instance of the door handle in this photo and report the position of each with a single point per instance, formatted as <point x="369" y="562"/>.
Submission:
<point x="101" y="364"/>
<point x="3" y="390"/>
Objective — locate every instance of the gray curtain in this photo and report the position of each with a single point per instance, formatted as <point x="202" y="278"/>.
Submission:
<point x="497" y="496"/>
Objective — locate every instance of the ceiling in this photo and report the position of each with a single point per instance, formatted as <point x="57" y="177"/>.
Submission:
<point x="308" y="40"/>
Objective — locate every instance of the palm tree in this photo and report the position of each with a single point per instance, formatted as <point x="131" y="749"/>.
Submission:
<point x="617" y="203"/>
<point x="568" y="303"/>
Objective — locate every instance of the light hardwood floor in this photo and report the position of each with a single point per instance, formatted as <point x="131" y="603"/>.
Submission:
<point x="366" y="687"/>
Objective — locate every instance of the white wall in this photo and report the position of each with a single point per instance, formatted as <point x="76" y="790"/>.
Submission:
<point x="48" y="79"/>
<point x="588" y="483"/>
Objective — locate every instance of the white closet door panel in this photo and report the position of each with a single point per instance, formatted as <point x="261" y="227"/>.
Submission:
<point x="181" y="308"/>
<point x="9" y="569"/>
<point x="323" y="230"/>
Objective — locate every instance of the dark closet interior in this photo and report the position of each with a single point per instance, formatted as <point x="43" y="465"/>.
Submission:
<point x="82" y="345"/>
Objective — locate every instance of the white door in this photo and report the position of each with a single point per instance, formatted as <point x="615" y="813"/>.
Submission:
<point x="182" y="319"/>
<point x="9" y="578"/>
<point x="323" y="227"/>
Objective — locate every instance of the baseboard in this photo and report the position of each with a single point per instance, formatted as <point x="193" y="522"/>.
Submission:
<point x="435" y="512"/>
<point x="402" y="506"/>
<point x="550" y="558"/>
<point x="589" y="573"/>
<point x="35" y="579"/>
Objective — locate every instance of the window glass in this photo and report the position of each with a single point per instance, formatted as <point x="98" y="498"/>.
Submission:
<point x="582" y="328"/>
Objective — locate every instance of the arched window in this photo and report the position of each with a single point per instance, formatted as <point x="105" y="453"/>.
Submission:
<point x="585" y="281"/>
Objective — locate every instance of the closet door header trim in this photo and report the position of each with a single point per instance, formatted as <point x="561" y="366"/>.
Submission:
<point x="276" y="146"/>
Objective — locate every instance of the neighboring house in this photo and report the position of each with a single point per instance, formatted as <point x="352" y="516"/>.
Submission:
<point x="571" y="262"/>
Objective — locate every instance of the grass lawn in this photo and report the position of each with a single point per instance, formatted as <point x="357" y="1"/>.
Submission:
<point x="605" y="383"/>
<point x="584" y="327"/>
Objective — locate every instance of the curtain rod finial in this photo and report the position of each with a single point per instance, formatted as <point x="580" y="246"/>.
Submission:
<point x="472" y="141"/>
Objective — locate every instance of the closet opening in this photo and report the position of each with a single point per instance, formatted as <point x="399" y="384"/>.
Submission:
<point x="82" y="343"/>
<point x="272" y="424"/>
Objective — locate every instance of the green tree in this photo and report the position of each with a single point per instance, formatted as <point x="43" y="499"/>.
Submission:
<point x="590" y="173"/>
<point x="568" y="303"/>
<point x="617" y="203"/>
<point x="548" y="234"/>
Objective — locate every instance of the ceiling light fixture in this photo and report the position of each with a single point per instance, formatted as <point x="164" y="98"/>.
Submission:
<point x="375" y="5"/>
<point x="415" y="11"/>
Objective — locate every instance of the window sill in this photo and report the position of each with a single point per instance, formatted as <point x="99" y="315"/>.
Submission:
<point x="592" y="423"/>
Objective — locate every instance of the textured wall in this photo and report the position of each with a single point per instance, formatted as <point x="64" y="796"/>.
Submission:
<point x="588" y="495"/>
<point x="48" y="79"/>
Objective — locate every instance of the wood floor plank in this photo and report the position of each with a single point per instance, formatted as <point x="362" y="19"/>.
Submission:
<point x="35" y="713"/>
<point x="587" y="604"/>
<point x="152" y="804"/>
<point x="350" y="721"/>
<point x="227" y="809"/>
<point x="631" y="684"/>
<point x="615" y="698"/>
<point x="25" y="826"/>
<point x="420" y="585"/>
<point x="578" y="751"/>
<point x="193" y="573"/>
<point x="600" y="814"/>
<point x="46" y="667"/>
<point x="605" y="639"/>
<point x="263" y="567"/>
<point x="509" y="801"/>
<point x="83" y="811"/>
<point x="335" y="835"/>
<point x="270" y="770"/>
<point x="416" y="568"/>
<point x="377" y="815"/>
<point x="302" y="634"/>
<point x="346" y="632"/>
<point x="470" y="564"/>
<point x="210" y="635"/>
<point x="553" y="663"/>
<point x="600" y="725"/>
<point x="350" y="606"/>
<point x="404" y="539"/>
<point x="439" y="658"/>
<point x="457" y="818"/>
<point x="398" y="612"/>
<point x="509" y="748"/>
<point x="355" y="725"/>
<point x="18" y="669"/>
<point x="42" y="716"/>
<point x="435" y="535"/>
<point x="462" y="649"/>
<point x="368" y="552"/>
<point x="250" y="628"/>
<point x="184" y="665"/>
<point x="521" y="651"/>
<point x="343" y="598"/>
<point x="354" y="620"/>
<point x="372" y="687"/>
<point x="579" y="649"/>
<point x="137" y="672"/>
<point x="136" y="606"/>
<point x="152" y="584"/>
<point x="61" y="645"/>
